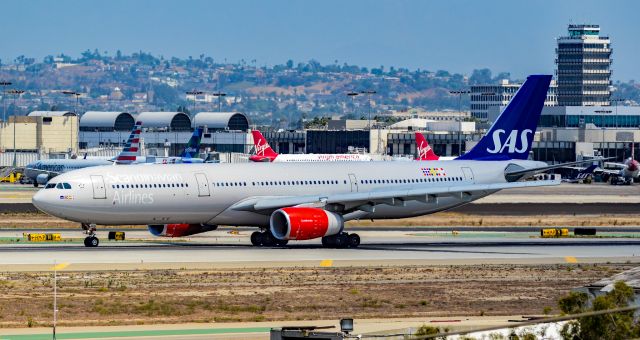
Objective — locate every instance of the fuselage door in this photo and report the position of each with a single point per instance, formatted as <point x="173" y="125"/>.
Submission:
<point x="203" y="185"/>
<point x="99" y="191"/>
<point x="354" y="182"/>
<point x="468" y="174"/>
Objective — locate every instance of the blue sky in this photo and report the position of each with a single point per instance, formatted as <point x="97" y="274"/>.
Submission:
<point x="458" y="35"/>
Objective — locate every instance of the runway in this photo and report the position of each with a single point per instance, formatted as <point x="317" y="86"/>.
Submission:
<point x="221" y="249"/>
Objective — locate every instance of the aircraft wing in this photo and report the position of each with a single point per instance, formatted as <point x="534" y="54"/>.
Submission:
<point x="615" y="165"/>
<point x="515" y="174"/>
<point x="347" y="202"/>
<point x="613" y="172"/>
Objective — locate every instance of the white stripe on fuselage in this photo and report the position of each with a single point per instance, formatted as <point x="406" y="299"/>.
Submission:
<point x="157" y="194"/>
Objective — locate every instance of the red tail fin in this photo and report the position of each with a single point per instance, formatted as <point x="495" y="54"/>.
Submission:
<point x="131" y="150"/>
<point x="264" y="152"/>
<point x="425" y="153"/>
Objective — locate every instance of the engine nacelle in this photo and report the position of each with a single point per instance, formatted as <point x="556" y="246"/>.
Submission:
<point x="304" y="223"/>
<point x="179" y="230"/>
<point x="42" y="179"/>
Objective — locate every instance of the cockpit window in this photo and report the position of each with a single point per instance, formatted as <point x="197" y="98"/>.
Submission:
<point x="50" y="185"/>
<point x="59" y="186"/>
<point x="66" y="185"/>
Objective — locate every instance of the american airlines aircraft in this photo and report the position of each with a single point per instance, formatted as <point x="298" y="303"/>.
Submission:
<point x="264" y="153"/>
<point x="301" y="201"/>
<point x="40" y="172"/>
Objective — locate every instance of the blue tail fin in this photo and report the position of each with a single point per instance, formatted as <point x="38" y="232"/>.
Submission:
<point x="511" y="135"/>
<point x="588" y="170"/>
<point x="193" y="147"/>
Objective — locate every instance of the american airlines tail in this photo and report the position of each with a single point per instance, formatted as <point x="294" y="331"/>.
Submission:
<point x="511" y="135"/>
<point x="425" y="152"/>
<point x="193" y="146"/>
<point x="264" y="152"/>
<point x="131" y="150"/>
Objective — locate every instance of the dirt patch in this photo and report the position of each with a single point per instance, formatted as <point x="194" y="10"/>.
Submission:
<point x="178" y="296"/>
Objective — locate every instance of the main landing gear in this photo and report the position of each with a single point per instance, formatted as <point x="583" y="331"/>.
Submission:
<point x="341" y="240"/>
<point x="91" y="240"/>
<point x="266" y="239"/>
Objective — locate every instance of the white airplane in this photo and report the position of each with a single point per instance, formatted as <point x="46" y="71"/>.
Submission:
<point x="40" y="172"/>
<point x="301" y="201"/>
<point x="264" y="153"/>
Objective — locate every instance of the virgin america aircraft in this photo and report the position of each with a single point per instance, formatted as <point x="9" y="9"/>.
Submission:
<point x="302" y="201"/>
<point x="264" y="153"/>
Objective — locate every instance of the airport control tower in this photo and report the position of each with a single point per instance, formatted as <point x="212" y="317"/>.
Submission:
<point x="584" y="67"/>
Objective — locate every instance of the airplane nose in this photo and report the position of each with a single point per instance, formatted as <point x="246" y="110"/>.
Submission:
<point x="41" y="202"/>
<point x="37" y="199"/>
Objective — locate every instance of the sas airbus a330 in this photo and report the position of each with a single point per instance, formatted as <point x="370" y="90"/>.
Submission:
<point x="302" y="201"/>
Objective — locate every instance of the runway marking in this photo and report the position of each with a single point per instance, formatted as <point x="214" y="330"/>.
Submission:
<point x="326" y="263"/>
<point x="60" y="266"/>
<point x="570" y="259"/>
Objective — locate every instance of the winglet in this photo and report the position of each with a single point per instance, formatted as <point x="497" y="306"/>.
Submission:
<point x="264" y="152"/>
<point x="425" y="152"/>
<point x="131" y="150"/>
<point x="511" y="135"/>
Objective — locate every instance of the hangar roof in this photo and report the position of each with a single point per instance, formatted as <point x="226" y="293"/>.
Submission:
<point x="163" y="119"/>
<point x="110" y="120"/>
<point x="221" y="120"/>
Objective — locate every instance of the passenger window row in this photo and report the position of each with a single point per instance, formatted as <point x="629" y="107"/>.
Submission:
<point x="411" y="180"/>
<point x="316" y="182"/>
<point x="149" y="186"/>
<point x="230" y="184"/>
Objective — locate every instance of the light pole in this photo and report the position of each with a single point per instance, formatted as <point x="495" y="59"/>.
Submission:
<point x="194" y="93"/>
<point x="602" y="112"/>
<point x="617" y="101"/>
<point x="77" y="95"/>
<point x="459" y="93"/>
<point x="353" y="96"/>
<point x="369" y="93"/>
<point x="4" y="85"/>
<point x="16" y="94"/>
<point x="219" y="95"/>
<point x="55" y="297"/>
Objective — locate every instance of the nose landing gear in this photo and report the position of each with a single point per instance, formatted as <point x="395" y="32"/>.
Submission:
<point x="91" y="240"/>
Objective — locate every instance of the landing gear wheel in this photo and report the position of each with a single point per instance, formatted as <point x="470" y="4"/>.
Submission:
<point x="341" y="240"/>
<point x="281" y="243"/>
<point x="354" y="240"/>
<point x="327" y="241"/>
<point x="256" y="238"/>
<point x="268" y="240"/>
<point x="91" y="241"/>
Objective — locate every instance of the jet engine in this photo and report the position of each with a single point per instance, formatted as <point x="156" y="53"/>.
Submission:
<point x="304" y="223"/>
<point x="42" y="179"/>
<point x="179" y="230"/>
